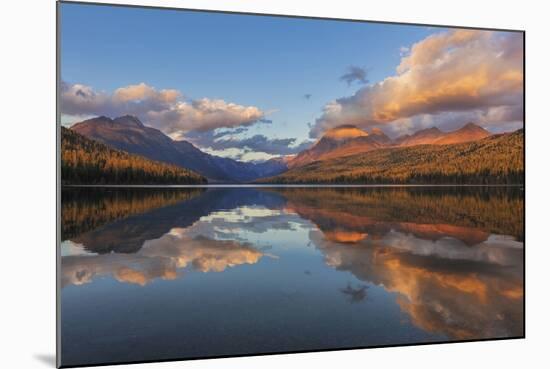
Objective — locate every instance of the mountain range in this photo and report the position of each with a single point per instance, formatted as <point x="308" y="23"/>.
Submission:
<point x="345" y="150"/>
<point x="349" y="140"/>
<point x="496" y="159"/>
<point x="127" y="133"/>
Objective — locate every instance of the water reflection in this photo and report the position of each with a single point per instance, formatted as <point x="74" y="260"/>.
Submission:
<point x="160" y="258"/>
<point x="355" y="294"/>
<point x="454" y="279"/>
<point x="449" y="260"/>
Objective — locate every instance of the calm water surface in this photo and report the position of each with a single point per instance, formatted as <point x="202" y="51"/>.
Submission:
<point x="152" y="274"/>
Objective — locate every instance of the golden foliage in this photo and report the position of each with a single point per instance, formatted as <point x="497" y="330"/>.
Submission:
<point x="497" y="210"/>
<point x="494" y="160"/>
<point x="85" y="161"/>
<point x="84" y="209"/>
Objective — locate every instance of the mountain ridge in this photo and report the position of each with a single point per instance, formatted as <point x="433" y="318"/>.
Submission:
<point x="129" y="134"/>
<point x="86" y="161"/>
<point x="349" y="140"/>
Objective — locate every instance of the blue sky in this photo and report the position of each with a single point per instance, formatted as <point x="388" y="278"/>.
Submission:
<point x="266" y="62"/>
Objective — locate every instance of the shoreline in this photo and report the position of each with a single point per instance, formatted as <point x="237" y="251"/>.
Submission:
<point x="245" y="185"/>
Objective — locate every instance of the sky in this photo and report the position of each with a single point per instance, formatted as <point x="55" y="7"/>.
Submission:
<point x="255" y="87"/>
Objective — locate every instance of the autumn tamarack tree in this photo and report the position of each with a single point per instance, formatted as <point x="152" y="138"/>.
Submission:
<point x="85" y="161"/>
<point x="497" y="159"/>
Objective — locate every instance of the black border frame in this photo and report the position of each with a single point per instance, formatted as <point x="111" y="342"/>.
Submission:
<point x="58" y="180"/>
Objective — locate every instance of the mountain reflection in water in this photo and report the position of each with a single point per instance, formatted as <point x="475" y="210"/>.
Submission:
<point x="432" y="264"/>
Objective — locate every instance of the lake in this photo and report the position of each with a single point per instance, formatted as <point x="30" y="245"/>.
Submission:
<point x="175" y="273"/>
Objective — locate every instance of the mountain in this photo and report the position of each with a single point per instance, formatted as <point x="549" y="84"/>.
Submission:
<point x="496" y="159"/>
<point x="347" y="140"/>
<point x="434" y="136"/>
<point x="422" y="137"/>
<point x="470" y="132"/>
<point x="85" y="161"/>
<point x="340" y="141"/>
<point x="129" y="134"/>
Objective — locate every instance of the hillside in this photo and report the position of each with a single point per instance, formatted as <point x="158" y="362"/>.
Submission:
<point x="129" y="134"/>
<point x="85" y="161"/>
<point x="496" y="159"/>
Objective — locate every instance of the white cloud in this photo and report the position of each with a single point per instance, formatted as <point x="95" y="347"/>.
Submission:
<point x="204" y="115"/>
<point x="164" y="109"/>
<point x="241" y="154"/>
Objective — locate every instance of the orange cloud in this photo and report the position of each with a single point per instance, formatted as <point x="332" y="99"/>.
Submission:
<point x="453" y="71"/>
<point x="143" y="91"/>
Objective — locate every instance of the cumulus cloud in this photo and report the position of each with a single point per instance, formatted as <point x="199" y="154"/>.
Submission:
<point x="78" y="99"/>
<point x="454" y="71"/>
<point x="165" y="109"/>
<point x="354" y="74"/>
<point x="204" y="115"/>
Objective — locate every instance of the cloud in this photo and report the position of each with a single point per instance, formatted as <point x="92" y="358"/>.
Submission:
<point x="245" y="154"/>
<point x="355" y="74"/>
<point x="143" y="92"/>
<point x="245" y="220"/>
<point x="165" y="109"/>
<point x="78" y="99"/>
<point x="449" y="72"/>
<point x="236" y="146"/>
<point x="279" y="146"/>
<point x="204" y="115"/>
